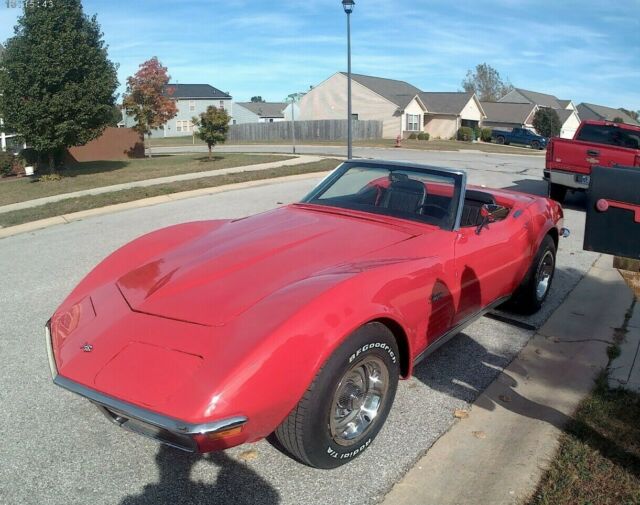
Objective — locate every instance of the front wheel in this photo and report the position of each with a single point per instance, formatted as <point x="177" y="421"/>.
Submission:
<point x="500" y="139"/>
<point x="348" y="402"/>
<point x="535" y="145"/>
<point x="535" y="287"/>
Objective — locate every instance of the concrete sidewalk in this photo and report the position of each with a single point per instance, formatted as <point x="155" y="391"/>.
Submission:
<point x="301" y="159"/>
<point x="498" y="454"/>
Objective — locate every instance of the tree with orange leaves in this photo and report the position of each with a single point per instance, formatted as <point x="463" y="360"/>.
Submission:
<point x="148" y="98"/>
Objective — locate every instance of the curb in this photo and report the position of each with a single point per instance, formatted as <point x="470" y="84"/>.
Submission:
<point x="148" y="202"/>
<point x="319" y="153"/>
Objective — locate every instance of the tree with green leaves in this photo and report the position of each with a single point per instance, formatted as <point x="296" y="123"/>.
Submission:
<point x="257" y="99"/>
<point x="213" y="126"/>
<point x="633" y="114"/>
<point x="57" y="81"/>
<point x="486" y="83"/>
<point x="547" y="122"/>
<point x="618" y="119"/>
<point x="148" y="98"/>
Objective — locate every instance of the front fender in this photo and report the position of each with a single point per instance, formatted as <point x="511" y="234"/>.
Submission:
<point x="274" y="371"/>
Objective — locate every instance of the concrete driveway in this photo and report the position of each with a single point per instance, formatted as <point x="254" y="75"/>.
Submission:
<point x="57" y="448"/>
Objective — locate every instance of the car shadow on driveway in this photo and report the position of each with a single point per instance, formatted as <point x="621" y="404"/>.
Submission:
<point x="235" y="482"/>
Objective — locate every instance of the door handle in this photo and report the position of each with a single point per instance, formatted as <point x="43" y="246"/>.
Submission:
<point x="603" y="206"/>
<point x="593" y="152"/>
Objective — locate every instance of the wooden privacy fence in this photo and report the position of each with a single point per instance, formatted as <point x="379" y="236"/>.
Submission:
<point x="329" y="129"/>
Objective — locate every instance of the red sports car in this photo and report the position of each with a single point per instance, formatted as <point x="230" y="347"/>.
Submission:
<point x="300" y="320"/>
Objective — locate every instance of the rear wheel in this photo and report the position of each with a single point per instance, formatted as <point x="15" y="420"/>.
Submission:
<point x="535" y="287"/>
<point x="535" y="145"/>
<point x="348" y="402"/>
<point x="557" y="192"/>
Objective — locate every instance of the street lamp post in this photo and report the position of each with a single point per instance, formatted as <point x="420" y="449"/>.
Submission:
<point x="348" y="8"/>
<point x="293" y="97"/>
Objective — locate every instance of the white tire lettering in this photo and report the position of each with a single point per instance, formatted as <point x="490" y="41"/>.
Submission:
<point x="377" y="345"/>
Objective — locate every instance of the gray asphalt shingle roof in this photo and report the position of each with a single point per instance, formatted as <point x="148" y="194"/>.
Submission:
<point x="564" y="114"/>
<point x="195" y="91"/>
<point x="543" y="99"/>
<point x="507" y="112"/>
<point x="445" y="102"/>
<point x="397" y="92"/>
<point x="265" y="109"/>
<point x="601" y="112"/>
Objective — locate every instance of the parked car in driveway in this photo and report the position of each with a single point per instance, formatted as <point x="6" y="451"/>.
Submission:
<point x="299" y="321"/>
<point x="521" y="136"/>
<point x="595" y="143"/>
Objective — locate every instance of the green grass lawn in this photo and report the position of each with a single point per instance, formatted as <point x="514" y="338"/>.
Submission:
<point x="598" y="461"/>
<point x="431" y="145"/>
<point x="106" y="173"/>
<point x="94" y="201"/>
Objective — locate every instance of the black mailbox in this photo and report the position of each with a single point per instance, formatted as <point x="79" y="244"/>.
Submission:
<point x="613" y="211"/>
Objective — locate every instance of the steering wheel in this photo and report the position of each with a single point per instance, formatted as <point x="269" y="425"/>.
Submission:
<point x="434" y="210"/>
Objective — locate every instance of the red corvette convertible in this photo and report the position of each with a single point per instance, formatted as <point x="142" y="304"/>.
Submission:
<point x="300" y="320"/>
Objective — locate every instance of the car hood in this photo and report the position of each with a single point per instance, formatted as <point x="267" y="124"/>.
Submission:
<point x="214" y="278"/>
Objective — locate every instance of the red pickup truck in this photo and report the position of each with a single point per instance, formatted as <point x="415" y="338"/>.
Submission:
<point x="601" y="143"/>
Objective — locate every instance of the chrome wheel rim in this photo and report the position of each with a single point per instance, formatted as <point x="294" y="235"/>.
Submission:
<point x="358" y="400"/>
<point x="544" y="275"/>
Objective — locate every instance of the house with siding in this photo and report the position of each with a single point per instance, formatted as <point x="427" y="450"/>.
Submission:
<point x="259" y="112"/>
<point x="399" y="105"/>
<point x="603" y="113"/>
<point x="191" y="100"/>
<point x="567" y="111"/>
<point x="446" y="112"/>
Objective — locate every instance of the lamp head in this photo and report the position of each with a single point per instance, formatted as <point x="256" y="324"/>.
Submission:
<point x="348" y="6"/>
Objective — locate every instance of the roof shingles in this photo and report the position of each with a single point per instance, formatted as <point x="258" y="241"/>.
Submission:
<point x="265" y="109"/>
<point x="195" y="91"/>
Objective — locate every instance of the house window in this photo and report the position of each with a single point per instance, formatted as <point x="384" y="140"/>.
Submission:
<point x="184" y="126"/>
<point x="413" y="122"/>
<point x="192" y="105"/>
<point x="354" y="117"/>
<point x="222" y="104"/>
<point x="271" y="120"/>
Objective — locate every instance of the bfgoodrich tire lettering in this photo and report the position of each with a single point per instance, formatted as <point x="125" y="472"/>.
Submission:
<point x="347" y="404"/>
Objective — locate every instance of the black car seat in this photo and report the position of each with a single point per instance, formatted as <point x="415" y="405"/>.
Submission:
<point x="473" y="202"/>
<point x="405" y="195"/>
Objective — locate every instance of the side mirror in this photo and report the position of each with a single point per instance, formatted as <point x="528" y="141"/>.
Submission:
<point x="490" y="213"/>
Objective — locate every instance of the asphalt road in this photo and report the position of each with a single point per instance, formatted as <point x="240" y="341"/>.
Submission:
<point x="58" y="449"/>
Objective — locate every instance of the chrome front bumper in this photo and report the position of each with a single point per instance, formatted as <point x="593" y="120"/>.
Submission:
<point x="164" y="429"/>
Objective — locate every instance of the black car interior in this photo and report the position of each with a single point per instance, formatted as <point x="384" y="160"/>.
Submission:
<point x="473" y="202"/>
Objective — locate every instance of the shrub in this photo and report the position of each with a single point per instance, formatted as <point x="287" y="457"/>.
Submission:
<point x="486" y="135"/>
<point x="413" y="136"/>
<point x="477" y="133"/>
<point x="6" y="163"/>
<point x="423" y="136"/>
<point x="465" y="133"/>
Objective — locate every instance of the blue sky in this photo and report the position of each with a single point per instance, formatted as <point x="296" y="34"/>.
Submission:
<point x="581" y="50"/>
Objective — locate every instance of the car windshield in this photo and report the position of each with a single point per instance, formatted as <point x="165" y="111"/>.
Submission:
<point x="428" y="195"/>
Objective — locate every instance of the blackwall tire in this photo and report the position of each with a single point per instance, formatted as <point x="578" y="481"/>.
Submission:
<point x="348" y="402"/>
<point x="500" y="140"/>
<point x="535" y="287"/>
